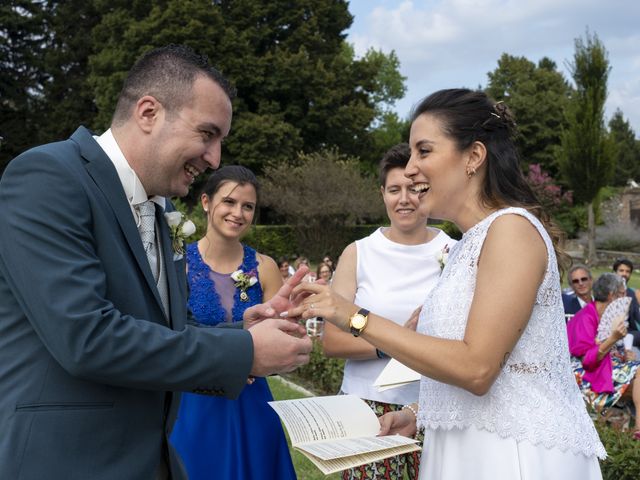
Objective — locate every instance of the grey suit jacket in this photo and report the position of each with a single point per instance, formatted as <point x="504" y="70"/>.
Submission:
<point x="86" y="355"/>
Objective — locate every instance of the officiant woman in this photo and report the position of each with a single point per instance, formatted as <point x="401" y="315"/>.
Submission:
<point x="389" y="272"/>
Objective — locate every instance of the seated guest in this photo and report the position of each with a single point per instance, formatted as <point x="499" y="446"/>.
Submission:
<point x="581" y="282"/>
<point x="327" y="259"/>
<point x="624" y="268"/>
<point x="324" y="272"/>
<point x="284" y="267"/>
<point x="605" y="372"/>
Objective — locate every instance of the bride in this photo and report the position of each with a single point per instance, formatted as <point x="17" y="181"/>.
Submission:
<point x="498" y="398"/>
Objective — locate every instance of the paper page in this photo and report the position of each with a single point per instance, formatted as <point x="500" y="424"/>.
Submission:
<point x="326" y="418"/>
<point x="395" y="374"/>
<point x="339" y="464"/>
<point x="344" y="447"/>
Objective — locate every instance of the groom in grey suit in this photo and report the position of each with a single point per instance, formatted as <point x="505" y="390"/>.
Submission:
<point x="92" y="340"/>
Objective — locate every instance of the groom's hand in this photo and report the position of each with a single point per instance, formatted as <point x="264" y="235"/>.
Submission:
<point x="279" y="346"/>
<point x="281" y="301"/>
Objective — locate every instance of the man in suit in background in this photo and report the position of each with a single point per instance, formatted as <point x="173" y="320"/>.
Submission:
<point x="93" y="331"/>
<point x="624" y="268"/>
<point x="581" y="283"/>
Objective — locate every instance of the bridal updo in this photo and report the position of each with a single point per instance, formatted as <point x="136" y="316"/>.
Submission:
<point x="468" y="116"/>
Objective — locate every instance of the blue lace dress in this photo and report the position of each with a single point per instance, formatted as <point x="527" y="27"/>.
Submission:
<point x="219" y="438"/>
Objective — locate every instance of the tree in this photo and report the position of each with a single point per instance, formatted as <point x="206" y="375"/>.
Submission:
<point x="538" y="95"/>
<point x="22" y="36"/>
<point x="66" y="99"/>
<point x="319" y="194"/>
<point x="300" y="87"/>
<point x="45" y="47"/>
<point x="587" y="157"/>
<point x="628" y="150"/>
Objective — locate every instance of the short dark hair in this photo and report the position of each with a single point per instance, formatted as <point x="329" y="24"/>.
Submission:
<point x="622" y="261"/>
<point x="396" y="157"/>
<point x="230" y="173"/>
<point x="168" y="74"/>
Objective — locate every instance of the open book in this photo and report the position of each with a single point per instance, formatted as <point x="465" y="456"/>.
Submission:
<point x="395" y="374"/>
<point x="338" y="432"/>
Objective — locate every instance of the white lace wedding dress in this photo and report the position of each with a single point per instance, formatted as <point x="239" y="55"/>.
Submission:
<point x="532" y="424"/>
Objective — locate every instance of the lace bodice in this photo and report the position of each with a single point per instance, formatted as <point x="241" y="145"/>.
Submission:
<point x="204" y="298"/>
<point x="535" y="397"/>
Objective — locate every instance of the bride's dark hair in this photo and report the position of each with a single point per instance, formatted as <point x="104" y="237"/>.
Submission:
<point x="469" y="116"/>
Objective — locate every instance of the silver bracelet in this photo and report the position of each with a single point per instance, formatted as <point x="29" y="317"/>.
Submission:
<point x="408" y="406"/>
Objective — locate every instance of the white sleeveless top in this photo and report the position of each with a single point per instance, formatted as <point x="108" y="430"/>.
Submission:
<point x="535" y="397"/>
<point x="392" y="280"/>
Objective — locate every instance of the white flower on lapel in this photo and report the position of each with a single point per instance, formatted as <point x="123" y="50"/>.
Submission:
<point x="180" y="228"/>
<point x="243" y="281"/>
<point x="443" y="256"/>
<point x="188" y="228"/>
<point x="173" y="218"/>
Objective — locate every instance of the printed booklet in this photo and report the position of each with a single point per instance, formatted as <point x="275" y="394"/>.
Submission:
<point x="338" y="432"/>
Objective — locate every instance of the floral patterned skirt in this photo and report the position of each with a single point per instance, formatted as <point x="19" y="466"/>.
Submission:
<point x="623" y="374"/>
<point x="390" y="468"/>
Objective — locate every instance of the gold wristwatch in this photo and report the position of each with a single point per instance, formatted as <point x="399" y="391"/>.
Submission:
<point x="358" y="321"/>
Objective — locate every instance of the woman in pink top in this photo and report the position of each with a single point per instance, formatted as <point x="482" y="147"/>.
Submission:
<point x="604" y="371"/>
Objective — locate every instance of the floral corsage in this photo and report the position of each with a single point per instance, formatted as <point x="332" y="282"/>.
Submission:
<point x="243" y="281"/>
<point x="443" y="256"/>
<point x="180" y="228"/>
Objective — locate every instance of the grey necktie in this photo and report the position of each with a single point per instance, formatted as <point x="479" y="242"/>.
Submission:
<point x="147" y="228"/>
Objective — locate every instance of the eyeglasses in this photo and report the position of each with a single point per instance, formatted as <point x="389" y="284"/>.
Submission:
<point x="576" y="281"/>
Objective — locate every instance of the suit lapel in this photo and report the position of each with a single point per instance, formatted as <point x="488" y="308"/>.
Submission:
<point x="170" y="269"/>
<point x="104" y="174"/>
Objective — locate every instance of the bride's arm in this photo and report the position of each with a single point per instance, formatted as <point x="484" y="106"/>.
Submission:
<point x="510" y="269"/>
<point x="335" y="342"/>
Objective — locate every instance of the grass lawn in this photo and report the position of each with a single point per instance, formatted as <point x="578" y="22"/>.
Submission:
<point x="304" y="468"/>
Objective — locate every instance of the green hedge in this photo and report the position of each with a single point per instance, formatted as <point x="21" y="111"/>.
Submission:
<point x="322" y="375"/>
<point x="280" y="240"/>
<point x="623" y="460"/>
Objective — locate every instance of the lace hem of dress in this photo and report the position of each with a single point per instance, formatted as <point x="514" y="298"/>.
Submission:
<point x="550" y="443"/>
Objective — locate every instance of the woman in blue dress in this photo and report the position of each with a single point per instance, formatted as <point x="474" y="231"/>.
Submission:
<point x="219" y="438"/>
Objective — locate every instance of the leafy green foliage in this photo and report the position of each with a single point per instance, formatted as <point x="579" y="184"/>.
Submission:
<point x="623" y="461"/>
<point x="273" y="240"/>
<point x="300" y="87"/>
<point x="22" y="34"/>
<point x="587" y="155"/>
<point x="627" y="150"/>
<point x="538" y="95"/>
<point x="320" y="195"/>
<point x="322" y="375"/>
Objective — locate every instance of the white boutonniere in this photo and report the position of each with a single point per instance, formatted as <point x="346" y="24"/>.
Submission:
<point x="180" y="228"/>
<point x="243" y="281"/>
<point x="443" y="256"/>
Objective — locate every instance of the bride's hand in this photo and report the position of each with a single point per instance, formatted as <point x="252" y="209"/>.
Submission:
<point x="321" y="301"/>
<point x="402" y="422"/>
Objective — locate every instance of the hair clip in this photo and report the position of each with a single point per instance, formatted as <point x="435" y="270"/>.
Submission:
<point x="495" y="115"/>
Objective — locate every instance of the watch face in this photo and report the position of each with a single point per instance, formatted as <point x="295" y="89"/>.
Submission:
<point x="358" y="321"/>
